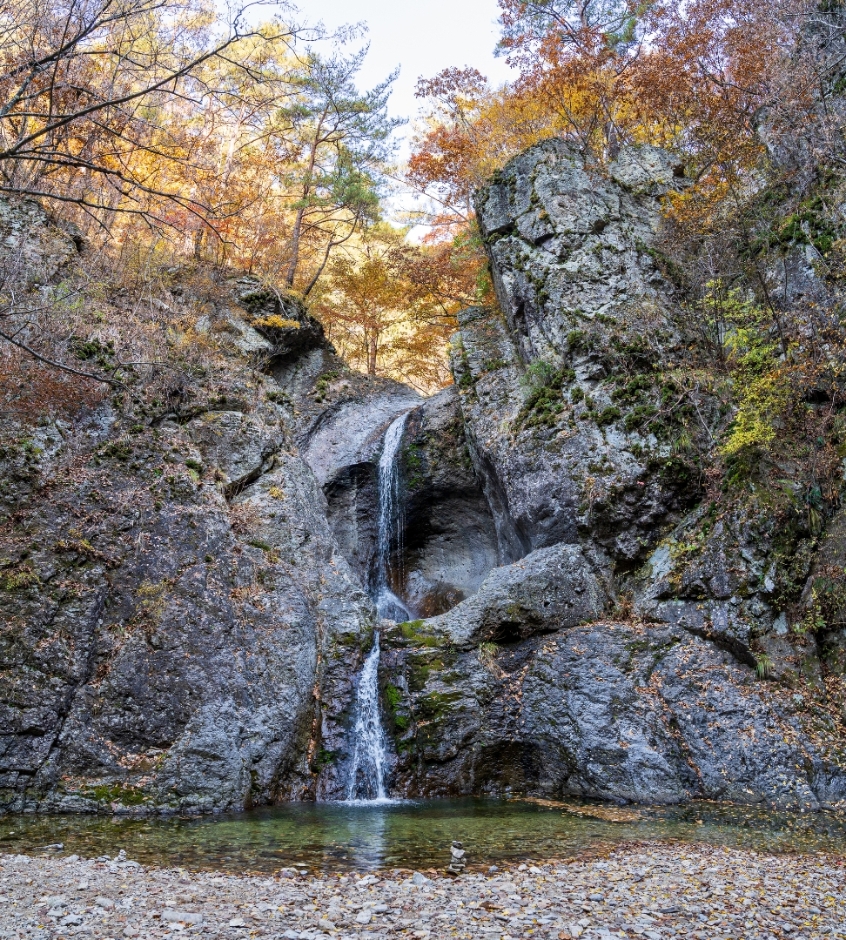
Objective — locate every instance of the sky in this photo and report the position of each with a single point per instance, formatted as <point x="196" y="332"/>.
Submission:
<point x="420" y="36"/>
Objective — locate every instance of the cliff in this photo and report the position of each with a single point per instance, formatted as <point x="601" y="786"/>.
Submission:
<point x="649" y="640"/>
<point x="184" y="586"/>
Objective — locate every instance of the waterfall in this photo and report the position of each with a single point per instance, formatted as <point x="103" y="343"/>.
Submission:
<point x="367" y="773"/>
<point x="387" y="603"/>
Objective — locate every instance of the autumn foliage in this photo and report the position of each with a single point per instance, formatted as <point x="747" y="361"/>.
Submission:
<point x="692" y="77"/>
<point x="164" y="126"/>
<point x="750" y="97"/>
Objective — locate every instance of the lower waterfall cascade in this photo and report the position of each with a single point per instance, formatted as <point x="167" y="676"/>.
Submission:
<point x="366" y="781"/>
<point x="367" y="772"/>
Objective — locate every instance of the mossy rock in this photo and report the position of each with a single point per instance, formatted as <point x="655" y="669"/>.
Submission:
<point x="414" y="633"/>
<point x="115" y="793"/>
<point x="436" y="705"/>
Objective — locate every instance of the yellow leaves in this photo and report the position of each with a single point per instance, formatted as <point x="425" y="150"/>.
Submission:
<point x="761" y="402"/>
<point x="380" y="308"/>
<point x="275" y="322"/>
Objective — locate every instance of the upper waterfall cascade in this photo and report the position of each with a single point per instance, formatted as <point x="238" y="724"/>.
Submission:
<point x="387" y="603"/>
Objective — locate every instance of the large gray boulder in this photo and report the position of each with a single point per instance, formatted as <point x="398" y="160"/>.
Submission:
<point x="549" y="590"/>
<point x="609" y="710"/>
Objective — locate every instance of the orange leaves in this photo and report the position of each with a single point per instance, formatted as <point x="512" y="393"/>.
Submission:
<point x="446" y="276"/>
<point x="693" y="77"/>
<point x="389" y="307"/>
<point x="473" y="130"/>
<point x="574" y="58"/>
<point x="714" y="67"/>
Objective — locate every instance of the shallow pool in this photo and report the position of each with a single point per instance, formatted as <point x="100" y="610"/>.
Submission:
<point x="414" y="834"/>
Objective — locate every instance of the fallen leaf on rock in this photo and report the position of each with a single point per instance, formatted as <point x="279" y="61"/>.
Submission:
<point x="606" y="813"/>
<point x="552" y="804"/>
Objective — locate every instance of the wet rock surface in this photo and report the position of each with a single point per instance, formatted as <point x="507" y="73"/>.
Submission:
<point x="445" y="539"/>
<point x="647" y="890"/>
<point x="340" y="421"/>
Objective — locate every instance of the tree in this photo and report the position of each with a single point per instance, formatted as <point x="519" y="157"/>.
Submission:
<point x="381" y="308"/>
<point x="341" y="138"/>
<point x="154" y="123"/>
<point x="366" y="297"/>
<point x="574" y="55"/>
<point x="471" y="131"/>
<point x="535" y="23"/>
<point x="84" y="89"/>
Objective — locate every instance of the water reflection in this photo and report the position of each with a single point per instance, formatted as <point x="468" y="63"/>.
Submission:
<point x="338" y="836"/>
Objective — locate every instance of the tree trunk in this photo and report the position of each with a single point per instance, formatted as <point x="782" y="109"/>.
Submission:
<point x="295" y="248"/>
<point x="372" y="350"/>
<point x="298" y="224"/>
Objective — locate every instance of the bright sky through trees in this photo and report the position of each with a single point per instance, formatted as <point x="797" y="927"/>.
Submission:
<point x="421" y="37"/>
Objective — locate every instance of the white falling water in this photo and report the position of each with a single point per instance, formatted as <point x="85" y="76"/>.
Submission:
<point x="367" y="772"/>
<point x="388" y="604"/>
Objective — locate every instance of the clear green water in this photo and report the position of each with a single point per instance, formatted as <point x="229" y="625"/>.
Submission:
<point x="409" y="834"/>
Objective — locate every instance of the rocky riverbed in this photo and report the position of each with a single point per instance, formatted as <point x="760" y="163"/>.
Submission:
<point x="643" y="890"/>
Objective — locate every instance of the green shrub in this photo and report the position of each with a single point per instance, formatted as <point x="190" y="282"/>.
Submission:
<point x="322" y="386"/>
<point x="545" y="399"/>
<point x="608" y="416"/>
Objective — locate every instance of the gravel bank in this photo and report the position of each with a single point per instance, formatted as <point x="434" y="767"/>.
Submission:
<point x="650" y="891"/>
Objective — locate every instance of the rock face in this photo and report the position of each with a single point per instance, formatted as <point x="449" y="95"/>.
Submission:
<point x="623" y="653"/>
<point x="174" y="641"/>
<point x="613" y="711"/>
<point x="445" y="539"/>
<point x="582" y="300"/>
<point x="178" y="628"/>
<point x="526" y="688"/>
<point x="184" y="602"/>
<point x="449" y="542"/>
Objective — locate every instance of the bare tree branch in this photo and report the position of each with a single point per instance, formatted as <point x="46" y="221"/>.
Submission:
<point x="60" y="365"/>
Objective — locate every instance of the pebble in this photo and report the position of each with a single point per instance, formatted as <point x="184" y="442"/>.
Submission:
<point x="186" y="917"/>
<point x="644" y="891"/>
